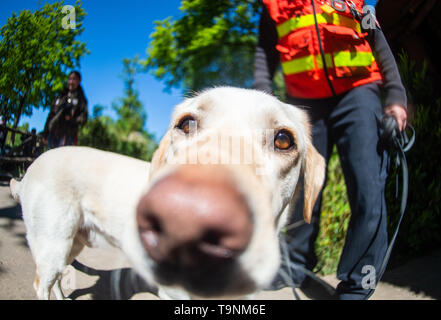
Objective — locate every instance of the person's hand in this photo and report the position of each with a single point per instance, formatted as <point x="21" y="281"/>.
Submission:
<point x="67" y="117"/>
<point x="399" y="113"/>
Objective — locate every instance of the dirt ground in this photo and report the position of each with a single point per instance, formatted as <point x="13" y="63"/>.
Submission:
<point x="110" y="277"/>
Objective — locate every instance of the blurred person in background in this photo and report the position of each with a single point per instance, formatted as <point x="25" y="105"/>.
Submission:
<point x="67" y="114"/>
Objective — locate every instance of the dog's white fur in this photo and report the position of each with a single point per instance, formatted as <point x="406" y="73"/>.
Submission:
<point x="72" y="195"/>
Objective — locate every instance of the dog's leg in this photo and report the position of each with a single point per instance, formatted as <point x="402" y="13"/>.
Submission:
<point x="51" y="262"/>
<point x="77" y="247"/>
<point x="51" y="228"/>
<point x="47" y="278"/>
<point x="40" y="281"/>
<point x="36" y="281"/>
<point x="57" y="289"/>
<point x="172" y="294"/>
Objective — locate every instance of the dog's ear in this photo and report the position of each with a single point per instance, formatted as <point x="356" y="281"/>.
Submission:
<point x="313" y="177"/>
<point x="160" y="153"/>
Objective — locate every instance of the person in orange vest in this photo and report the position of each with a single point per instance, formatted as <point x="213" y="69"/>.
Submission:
<point x="337" y="64"/>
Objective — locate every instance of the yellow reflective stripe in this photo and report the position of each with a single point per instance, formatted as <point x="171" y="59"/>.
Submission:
<point x="305" y="64"/>
<point x="294" y="24"/>
<point x="328" y="60"/>
<point x="353" y="59"/>
<point x="341" y="59"/>
<point x="339" y="20"/>
<point x="308" y="20"/>
<point x="298" y="65"/>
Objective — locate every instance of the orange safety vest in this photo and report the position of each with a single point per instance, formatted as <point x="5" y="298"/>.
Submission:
<point x="322" y="48"/>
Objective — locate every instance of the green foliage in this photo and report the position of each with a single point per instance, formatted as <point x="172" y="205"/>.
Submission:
<point x="420" y="230"/>
<point x="129" y="108"/>
<point x="279" y="85"/>
<point x="125" y="135"/>
<point x="25" y="128"/>
<point x="99" y="132"/>
<point x="35" y="55"/>
<point x="212" y="43"/>
<point x="334" y="218"/>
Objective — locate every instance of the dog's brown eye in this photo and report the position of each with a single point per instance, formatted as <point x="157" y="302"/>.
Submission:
<point x="186" y="124"/>
<point x="284" y="140"/>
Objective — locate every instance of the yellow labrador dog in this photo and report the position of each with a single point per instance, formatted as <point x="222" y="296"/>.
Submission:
<point x="202" y="219"/>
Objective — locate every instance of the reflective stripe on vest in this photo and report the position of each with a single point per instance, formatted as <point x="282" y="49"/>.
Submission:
<point x="315" y="62"/>
<point x="295" y="23"/>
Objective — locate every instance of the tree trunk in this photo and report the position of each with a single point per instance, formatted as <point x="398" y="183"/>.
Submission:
<point x="17" y="117"/>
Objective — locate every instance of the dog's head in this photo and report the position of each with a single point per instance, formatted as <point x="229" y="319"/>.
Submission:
<point x="223" y="181"/>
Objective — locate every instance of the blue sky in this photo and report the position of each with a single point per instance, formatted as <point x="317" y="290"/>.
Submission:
<point x="115" y="30"/>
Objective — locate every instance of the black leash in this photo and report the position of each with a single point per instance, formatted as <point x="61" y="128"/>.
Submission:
<point x="399" y="143"/>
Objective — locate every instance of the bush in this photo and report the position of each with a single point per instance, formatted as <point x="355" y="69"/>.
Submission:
<point x="334" y="218"/>
<point x="103" y="133"/>
<point x="420" y="230"/>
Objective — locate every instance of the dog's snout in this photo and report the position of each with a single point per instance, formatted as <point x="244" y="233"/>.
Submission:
<point x="193" y="216"/>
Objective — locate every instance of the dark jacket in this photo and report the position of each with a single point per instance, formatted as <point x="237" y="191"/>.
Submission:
<point x="75" y="106"/>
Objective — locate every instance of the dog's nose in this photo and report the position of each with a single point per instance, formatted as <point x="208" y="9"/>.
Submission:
<point x="194" y="215"/>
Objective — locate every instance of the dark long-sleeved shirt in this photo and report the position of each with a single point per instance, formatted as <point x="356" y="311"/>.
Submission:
<point x="267" y="59"/>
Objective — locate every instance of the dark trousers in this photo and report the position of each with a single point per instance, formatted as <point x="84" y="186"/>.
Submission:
<point x="350" y="122"/>
<point x="60" y="140"/>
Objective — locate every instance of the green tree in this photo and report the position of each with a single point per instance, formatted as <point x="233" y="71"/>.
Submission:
<point x="129" y="108"/>
<point x="125" y="135"/>
<point x="212" y="43"/>
<point x="36" y="53"/>
<point x="99" y="131"/>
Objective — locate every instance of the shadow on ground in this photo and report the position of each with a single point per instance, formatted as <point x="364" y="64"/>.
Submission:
<point x="12" y="213"/>
<point x="117" y="284"/>
<point x="13" y="216"/>
<point x="4" y="181"/>
<point x="421" y="275"/>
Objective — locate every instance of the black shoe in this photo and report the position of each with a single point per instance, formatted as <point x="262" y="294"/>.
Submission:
<point x="351" y="292"/>
<point x="315" y="290"/>
<point x="280" y="282"/>
<point x="277" y="284"/>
